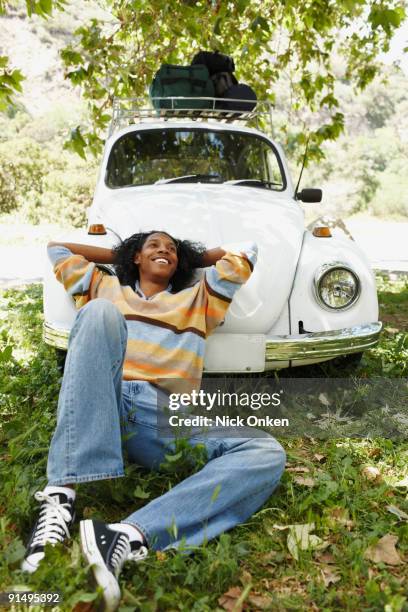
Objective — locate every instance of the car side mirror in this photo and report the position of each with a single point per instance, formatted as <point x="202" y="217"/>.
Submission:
<point x="310" y="195"/>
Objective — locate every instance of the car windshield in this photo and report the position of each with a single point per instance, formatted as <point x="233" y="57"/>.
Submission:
<point x="169" y="155"/>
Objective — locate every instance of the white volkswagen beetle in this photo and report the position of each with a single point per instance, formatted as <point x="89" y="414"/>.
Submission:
<point x="209" y="176"/>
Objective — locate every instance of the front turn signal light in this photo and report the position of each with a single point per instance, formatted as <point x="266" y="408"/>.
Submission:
<point x="322" y="232"/>
<point x="96" y="228"/>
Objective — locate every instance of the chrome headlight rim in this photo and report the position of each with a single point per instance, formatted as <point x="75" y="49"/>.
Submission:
<point x="329" y="267"/>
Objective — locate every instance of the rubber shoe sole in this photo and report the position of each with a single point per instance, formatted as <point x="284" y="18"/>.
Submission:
<point x="104" y="578"/>
<point x="26" y="566"/>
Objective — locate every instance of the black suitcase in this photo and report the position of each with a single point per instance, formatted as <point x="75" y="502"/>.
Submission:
<point x="238" y="98"/>
<point x="215" y="61"/>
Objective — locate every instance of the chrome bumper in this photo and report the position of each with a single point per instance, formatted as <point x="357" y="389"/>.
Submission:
<point x="323" y="345"/>
<point x="312" y="345"/>
<point x="55" y="336"/>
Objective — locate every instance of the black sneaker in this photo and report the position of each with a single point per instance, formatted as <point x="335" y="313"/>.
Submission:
<point x="56" y="518"/>
<point x="106" y="550"/>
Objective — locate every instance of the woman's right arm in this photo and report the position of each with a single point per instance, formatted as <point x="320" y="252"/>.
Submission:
<point x="91" y="253"/>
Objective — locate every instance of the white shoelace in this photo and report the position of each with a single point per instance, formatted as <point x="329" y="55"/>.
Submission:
<point x="120" y="553"/>
<point x="52" y="525"/>
<point x="138" y="555"/>
<point x="123" y="553"/>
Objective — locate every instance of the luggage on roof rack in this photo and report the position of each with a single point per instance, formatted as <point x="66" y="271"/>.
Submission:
<point x="190" y="82"/>
<point x="215" y="61"/>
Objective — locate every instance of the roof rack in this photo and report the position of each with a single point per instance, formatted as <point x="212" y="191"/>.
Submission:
<point x="130" y="111"/>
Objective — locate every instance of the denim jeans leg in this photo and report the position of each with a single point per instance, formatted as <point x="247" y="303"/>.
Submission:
<point x="240" y="475"/>
<point x="87" y="441"/>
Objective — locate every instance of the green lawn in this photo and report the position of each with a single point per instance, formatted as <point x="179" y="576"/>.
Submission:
<point x="346" y="493"/>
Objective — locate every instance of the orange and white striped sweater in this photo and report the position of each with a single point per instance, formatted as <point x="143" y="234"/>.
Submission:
<point x="167" y="332"/>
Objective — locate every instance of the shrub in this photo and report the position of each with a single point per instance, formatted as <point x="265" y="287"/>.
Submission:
<point x="22" y="169"/>
<point x="44" y="183"/>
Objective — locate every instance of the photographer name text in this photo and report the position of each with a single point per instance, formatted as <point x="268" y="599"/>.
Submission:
<point x="252" y="420"/>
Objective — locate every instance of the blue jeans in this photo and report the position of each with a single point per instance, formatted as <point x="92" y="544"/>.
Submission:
<point x="100" y="415"/>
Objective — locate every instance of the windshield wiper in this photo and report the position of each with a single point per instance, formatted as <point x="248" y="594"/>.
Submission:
<point x="253" y="183"/>
<point x="189" y="178"/>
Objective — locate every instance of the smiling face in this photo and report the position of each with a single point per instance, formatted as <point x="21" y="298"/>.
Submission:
<point x="157" y="261"/>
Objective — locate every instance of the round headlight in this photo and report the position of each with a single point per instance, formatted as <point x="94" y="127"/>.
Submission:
<point x="336" y="286"/>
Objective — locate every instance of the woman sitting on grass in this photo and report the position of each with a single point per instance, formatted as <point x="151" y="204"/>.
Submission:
<point x="136" y="336"/>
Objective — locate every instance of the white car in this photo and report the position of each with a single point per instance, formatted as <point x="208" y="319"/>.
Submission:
<point x="209" y="176"/>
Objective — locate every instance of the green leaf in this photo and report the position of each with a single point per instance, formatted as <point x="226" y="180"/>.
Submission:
<point x="30" y="7"/>
<point x="6" y="354"/>
<point x="15" y="552"/>
<point x="83" y="596"/>
<point x="173" y="529"/>
<point x="17" y="77"/>
<point x="76" y="143"/>
<point x="217" y="29"/>
<point x="70" y="57"/>
<point x="140" y="493"/>
<point x="261" y="22"/>
<point x="216" y="492"/>
<point x="46" y="7"/>
<point x="308" y="20"/>
<point x="242" y="5"/>
<point x="173" y="458"/>
<point x="386" y="18"/>
<point x="77" y="76"/>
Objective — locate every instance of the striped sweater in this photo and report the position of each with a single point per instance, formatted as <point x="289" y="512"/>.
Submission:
<point x="167" y="332"/>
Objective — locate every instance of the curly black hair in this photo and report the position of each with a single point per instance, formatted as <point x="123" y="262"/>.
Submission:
<point x="189" y="257"/>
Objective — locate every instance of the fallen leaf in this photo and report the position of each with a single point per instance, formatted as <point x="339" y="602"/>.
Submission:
<point x="323" y="399"/>
<point x="384" y="551"/>
<point x="403" y="516"/>
<point x="320" y="458"/>
<point x="339" y="515"/>
<point x="88" y="511"/>
<point x="402" y="483"/>
<point x="83" y="606"/>
<point x="371" y="473"/>
<point x="301" y="538"/>
<point x="281" y="527"/>
<point x="160" y="555"/>
<point x="329" y="575"/>
<point x="298" y="468"/>
<point x="245" y="577"/>
<point x="305" y="482"/>
<point x="229" y="600"/>
<point x="375" y="452"/>
<point x="259" y="602"/>
<point x="270" y="560"/>
<point x="326" y="558"/>
<point x="308" y="526"/>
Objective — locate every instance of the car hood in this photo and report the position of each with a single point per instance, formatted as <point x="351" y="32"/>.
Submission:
<point x="217" y="215"/>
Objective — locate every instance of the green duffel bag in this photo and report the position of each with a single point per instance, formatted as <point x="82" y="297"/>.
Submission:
<point x="187" y="81"/>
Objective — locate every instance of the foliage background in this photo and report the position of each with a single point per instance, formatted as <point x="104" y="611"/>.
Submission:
<point x="310" y="62"/>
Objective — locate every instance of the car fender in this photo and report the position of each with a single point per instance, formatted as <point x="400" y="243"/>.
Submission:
<point x="303" y="304"/>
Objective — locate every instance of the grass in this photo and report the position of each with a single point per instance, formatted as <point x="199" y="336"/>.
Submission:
<point x="345" y="488"/>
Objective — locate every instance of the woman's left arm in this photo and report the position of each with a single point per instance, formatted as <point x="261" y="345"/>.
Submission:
<point x="210" y="257"/>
